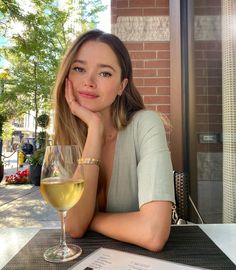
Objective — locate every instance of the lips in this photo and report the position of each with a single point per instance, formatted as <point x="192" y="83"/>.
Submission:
<point x="87" y="94"/>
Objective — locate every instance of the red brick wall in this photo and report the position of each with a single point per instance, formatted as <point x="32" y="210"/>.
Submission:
<point x="139" y="8"/>
<point x="151" y="60"/>
<point x="208" y="79"/>
<point x="207" y="7"/>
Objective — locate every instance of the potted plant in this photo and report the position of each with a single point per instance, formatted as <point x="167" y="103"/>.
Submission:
<point x="1" y="169"/>
<point x="20" y="177"/>
<point x="35" y="161"/>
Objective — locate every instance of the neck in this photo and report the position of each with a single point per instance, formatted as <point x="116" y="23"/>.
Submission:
<point x="110" y="132"/>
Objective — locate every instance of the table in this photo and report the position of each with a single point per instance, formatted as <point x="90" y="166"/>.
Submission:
<point x="223" y="235"/>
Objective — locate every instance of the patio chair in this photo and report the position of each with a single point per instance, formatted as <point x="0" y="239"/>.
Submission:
<point x="180" y="211"/>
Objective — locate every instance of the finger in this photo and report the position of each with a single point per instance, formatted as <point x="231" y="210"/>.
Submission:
<point x="69" y="92"/>
<point x="66" y="90"/>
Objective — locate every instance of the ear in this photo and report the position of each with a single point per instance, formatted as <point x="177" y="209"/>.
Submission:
<point x="122" y="86"/>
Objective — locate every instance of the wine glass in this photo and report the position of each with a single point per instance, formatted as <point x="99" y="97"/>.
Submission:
<point x="62" y="185"/>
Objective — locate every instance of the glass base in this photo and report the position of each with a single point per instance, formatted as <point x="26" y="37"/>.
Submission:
<point x="59" y="254"/>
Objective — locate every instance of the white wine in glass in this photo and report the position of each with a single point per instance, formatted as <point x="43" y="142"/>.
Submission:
<point x="62" y="185"/>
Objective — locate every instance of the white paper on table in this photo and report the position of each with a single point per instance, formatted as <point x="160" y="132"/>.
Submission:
<point x="110" y="259"/>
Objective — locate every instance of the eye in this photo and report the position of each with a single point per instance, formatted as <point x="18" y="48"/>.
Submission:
<point x="105" y="74"/>
<point x="78" y="69"/>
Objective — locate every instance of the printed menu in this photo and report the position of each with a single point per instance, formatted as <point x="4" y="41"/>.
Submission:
<point x="110" y="259"/>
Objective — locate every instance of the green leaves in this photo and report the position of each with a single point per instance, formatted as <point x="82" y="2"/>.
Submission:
<point x="38" y="38"/>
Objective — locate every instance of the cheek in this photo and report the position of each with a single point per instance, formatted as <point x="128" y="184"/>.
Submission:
<point x="111" y="95"/>
<point x="73" y="79"/>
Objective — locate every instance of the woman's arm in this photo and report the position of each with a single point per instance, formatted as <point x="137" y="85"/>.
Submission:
<point x="149" y="227"/>
<point x="79" y="217"/>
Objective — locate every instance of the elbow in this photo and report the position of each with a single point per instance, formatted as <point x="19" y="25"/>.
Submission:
<point x="155" y="245"/>
<point x="76" y="232"/>
<point x="155" y="241"/>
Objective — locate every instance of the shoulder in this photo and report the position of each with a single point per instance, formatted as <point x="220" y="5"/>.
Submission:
<point x="147" y="119"/>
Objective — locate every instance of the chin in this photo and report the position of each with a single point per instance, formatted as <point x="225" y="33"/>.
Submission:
<point x="92" y="109"/>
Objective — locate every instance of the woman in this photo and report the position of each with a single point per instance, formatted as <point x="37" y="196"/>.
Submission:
<point x="129" y="188"/>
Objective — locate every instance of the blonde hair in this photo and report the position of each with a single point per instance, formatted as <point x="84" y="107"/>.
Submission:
<point x="68" y="128"/>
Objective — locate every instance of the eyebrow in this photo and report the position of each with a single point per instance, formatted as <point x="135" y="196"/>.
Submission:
<point x="100" y="65"/>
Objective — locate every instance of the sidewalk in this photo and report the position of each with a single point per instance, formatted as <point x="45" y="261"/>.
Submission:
<point x="23" y="205"/>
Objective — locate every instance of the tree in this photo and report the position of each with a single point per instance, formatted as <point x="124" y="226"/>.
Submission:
<point x="7" y="131"/>
<point x="36" y="50"/>
<point x="3" y="118"/>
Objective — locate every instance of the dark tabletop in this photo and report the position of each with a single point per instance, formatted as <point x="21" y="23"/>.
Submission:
<point x="187" y="245"/>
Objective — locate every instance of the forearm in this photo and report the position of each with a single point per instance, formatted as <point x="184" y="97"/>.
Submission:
<point x="79" y="217"/>
<point x="140" y="228"/>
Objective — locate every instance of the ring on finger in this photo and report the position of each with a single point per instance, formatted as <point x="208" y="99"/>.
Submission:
<point x="71" y="101"/>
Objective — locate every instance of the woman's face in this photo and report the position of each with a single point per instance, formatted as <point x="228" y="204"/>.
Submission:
<point x="96" y="76"/>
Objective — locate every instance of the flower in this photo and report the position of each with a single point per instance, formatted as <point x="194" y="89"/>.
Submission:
<point x="20" y="177"/>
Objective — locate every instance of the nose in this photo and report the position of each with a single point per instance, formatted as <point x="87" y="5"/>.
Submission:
<point x="89" y="81"/>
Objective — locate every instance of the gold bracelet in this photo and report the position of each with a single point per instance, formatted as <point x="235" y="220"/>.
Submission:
<point x="88" y="161"/>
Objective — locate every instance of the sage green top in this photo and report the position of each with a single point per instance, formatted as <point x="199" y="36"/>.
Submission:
<point x="142" y="169"/>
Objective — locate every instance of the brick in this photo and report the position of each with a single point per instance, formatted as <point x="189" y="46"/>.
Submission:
<point x="162" y="90"/>
<point x="114" y="19"/>
<point x="129" y="12"/>
<point x="214" y="90"/>
<point x="157" y="100"/>
<point x="207" y="11"/>
<point x="201" y="108"/>
<point x="142" y="3"/>
<point x="145" y="73"/>
<point x="214" y="81"/>
<point x="138" y="82"/>
<point x="206" y="100"/>
<point x="201" y="81"/>
<point x="143" y="55"/>
<point x="134" y="46"/>
<point x="198" y="54"/>
<point x="113" y="3"/>
<point x="213" y="127"/>
<point x="155" y="12"/>
<point x="206" y="118"/>
<point x="147" y="90"/>
<point x="151" y="107"/>
<point x="200" y="72"/>
<point x="208" y="45"/>
<point x="212" y="55"/>
<point x="163" y="73"/>
<point x="208" y="3"/>
<point x="214" y="63"/>
<point x="163" y="55"/>
<point x="201" y="90"/>
<point x="138" y="63"/>
<point x="162" y="3"/>
<point x="214" y="109"/>
<point x="200" y="63"/>
<point x="157" y="46"/>
<point x="214" y="72"/>
<point x="122" y="4"/>
<point x="157" y="82"/>
<point x="163" y="108"/>
<point x="214" y="45"/>
<point x="214" y="147"/>
<point x="157" y="64"/>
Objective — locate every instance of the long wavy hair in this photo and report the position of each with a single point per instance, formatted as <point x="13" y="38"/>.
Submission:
<point x="68" y="128"/>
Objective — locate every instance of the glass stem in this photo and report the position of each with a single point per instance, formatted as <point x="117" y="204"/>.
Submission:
<point x="63" y="233"/>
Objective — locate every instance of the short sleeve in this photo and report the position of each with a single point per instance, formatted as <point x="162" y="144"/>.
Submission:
<point x="154" y="171"/>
